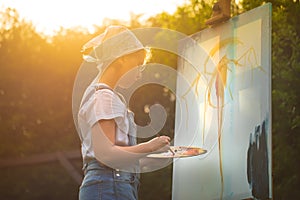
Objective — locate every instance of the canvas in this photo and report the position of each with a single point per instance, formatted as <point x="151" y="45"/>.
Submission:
<point x="224" y="106"/>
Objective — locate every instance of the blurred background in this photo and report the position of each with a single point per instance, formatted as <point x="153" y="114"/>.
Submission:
<point x="39" y="146"/>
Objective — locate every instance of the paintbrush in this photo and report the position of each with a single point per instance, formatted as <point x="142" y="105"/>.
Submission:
<point x="168" y="147"/>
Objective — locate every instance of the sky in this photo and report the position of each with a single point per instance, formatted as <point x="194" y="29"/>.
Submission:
<point x="50" y="15"/>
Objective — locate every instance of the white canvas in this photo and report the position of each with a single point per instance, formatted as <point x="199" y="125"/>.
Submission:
<point x="226" y="109"/>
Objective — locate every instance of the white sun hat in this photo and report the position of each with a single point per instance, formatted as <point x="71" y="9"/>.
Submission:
<point x="115" y="42"/>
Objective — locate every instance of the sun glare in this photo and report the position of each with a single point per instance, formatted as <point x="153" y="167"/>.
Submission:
<point x="49" y="15"/>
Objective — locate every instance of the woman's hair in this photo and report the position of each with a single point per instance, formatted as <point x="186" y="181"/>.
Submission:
<point x="142" y="53"/>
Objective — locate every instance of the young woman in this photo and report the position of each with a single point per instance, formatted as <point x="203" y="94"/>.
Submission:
<point x="107" y="129"/>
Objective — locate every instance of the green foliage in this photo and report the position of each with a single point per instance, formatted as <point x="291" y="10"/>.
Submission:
<point x="188" y="18"/>
<point x="35" y="88"/>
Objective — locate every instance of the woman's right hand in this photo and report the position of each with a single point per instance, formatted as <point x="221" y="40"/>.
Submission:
<point x="160" y="143"/>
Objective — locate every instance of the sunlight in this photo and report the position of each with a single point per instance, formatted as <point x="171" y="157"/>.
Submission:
<point x="49" y="16"/>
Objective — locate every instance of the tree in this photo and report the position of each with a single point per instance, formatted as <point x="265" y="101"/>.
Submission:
<point x="188" y="18"/>
<point x="35" y="92"/>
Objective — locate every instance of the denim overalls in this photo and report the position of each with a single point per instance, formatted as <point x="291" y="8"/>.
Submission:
<point x="104" y="183"/>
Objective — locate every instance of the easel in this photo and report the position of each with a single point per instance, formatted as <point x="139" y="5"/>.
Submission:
<point x="221" y="12"/>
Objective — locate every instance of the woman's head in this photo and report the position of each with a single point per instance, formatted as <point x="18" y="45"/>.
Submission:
<point x="129" y="61"/>
<point x="115" y="42"/>
<point x="127" y="69"/>
<point x="118" y="51"/>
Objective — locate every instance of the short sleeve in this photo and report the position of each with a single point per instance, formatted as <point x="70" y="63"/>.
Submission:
<point x="105" y="104"/>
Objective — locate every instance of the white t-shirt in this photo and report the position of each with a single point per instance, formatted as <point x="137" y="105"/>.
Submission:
<point x="104" y="104"/>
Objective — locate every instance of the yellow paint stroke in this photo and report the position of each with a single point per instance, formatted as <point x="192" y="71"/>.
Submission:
<point x="218" y="79"/>
<point x="194" y="83"/>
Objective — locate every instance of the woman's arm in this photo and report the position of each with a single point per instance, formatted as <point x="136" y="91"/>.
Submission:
<point x="103" y="138"/>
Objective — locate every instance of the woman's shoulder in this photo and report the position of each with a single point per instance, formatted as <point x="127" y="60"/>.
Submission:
<point x="103" y="89"/>
<point x="105" y="93"/>
<point x="101" y="86"/>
